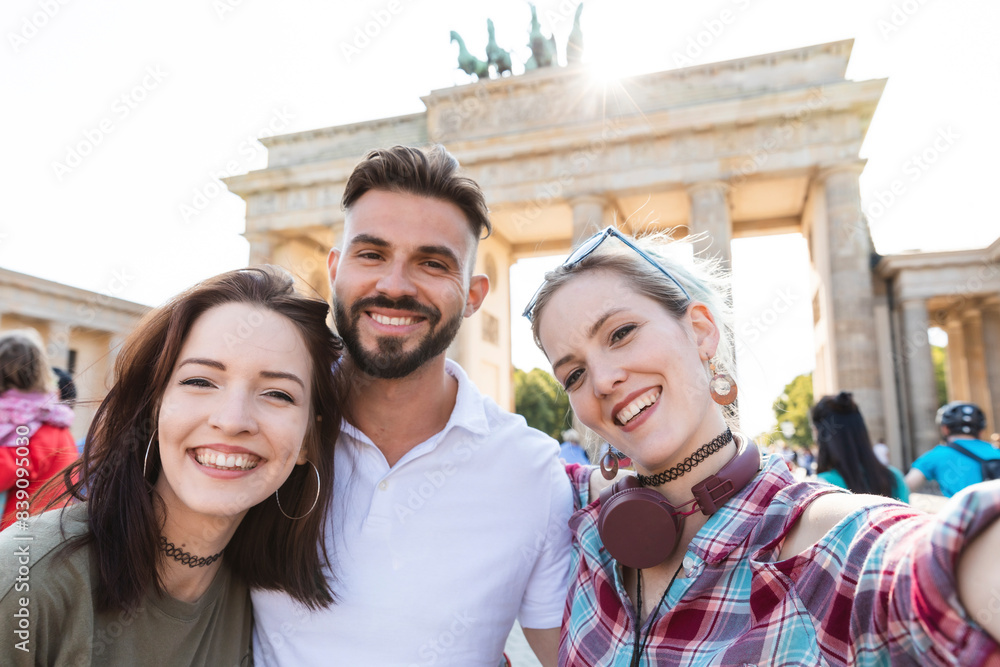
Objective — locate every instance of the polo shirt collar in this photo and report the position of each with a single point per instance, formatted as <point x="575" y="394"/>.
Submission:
<point x="469" y="412"/>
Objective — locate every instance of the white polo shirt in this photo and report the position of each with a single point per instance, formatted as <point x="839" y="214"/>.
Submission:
<point x="434" y="557"/>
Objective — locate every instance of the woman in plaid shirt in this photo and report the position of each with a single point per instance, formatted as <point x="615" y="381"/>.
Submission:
<point x="784" y="572"/>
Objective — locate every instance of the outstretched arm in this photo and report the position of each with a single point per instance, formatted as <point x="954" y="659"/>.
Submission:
<point x="979" y="579"/>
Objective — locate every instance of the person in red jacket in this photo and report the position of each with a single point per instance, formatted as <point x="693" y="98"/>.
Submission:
<point x="35" y="441"/>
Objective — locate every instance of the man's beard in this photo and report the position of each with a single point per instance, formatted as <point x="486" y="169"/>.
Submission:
<point x="389" y="361"/>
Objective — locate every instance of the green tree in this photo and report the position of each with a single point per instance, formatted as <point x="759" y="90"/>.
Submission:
<point x="540" y="399"/>
<point x="793" y="406"/>
<point x="938" y="356"/>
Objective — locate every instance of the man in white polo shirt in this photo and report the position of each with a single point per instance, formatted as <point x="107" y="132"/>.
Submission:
<point x="450" y="514"/>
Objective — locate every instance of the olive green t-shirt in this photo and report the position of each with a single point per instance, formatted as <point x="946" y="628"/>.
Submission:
<point x="47" y="606"/>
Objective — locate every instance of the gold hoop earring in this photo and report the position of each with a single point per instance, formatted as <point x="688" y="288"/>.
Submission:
<point x="722" y="386"/>
<point x="315" y="500"/>
<point x="145" y="459"/>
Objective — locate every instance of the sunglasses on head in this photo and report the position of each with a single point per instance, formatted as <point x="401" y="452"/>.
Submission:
<point x="587" y="248"/>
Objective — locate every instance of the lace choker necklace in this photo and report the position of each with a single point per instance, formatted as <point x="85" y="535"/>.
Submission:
<point x="184" y="557"/>
<point x="685" y="466"/>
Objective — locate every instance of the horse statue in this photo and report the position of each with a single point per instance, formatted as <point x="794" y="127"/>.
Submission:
<point x="499" y="58"/>
<point x="467" y="62"/>
<point x="543" y="49"/>
<point x="574" y="46"/>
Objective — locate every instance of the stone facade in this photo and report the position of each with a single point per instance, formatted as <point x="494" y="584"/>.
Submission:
<point x="83" y="332"/>
<point x="958" y="291"/>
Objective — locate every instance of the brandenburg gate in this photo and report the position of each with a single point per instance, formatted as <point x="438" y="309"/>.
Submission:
<point x="762" y="145"/>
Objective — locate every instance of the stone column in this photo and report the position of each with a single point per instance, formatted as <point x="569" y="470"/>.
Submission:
<point x="958" y="370"/>
<point x="590" y="215"/>
<point x="991" y="346"/>
<point x="851" y="294"/>
<point x="58" y="343"/>
<point x="710" y="215"/>
<point x="972" y="325"/>
<point x="920" y="385"/>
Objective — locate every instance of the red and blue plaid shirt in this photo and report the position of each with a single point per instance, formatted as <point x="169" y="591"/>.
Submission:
<point x="878" y="589"/>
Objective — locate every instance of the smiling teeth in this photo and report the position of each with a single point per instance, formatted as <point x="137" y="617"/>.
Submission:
<point x="227" y="461"/>
<point x="394" y="321"/>
<point x="637" y="406"/>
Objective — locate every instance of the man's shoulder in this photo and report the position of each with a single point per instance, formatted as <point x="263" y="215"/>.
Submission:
<point x="513" y="425"/>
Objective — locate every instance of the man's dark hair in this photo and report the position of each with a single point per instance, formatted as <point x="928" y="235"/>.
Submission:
<point x="431" y="173"/>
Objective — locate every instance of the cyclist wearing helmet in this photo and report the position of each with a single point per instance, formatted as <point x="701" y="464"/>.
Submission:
<point x="960" y="423"/>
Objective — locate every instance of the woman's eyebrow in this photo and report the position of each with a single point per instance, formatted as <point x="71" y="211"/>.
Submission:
<point x="272" y="375"/>
<point x="594" y="328"/>
<point x="278" y="375"/>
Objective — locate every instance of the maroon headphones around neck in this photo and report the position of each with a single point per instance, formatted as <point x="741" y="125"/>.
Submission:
<point x="640" y="529"/>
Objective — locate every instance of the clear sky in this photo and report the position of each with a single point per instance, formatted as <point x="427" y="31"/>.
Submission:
<point x="121" y="116"/>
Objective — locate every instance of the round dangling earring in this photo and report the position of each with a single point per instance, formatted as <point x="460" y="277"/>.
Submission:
<point x="609" y="465"/>
<point x="145" y="459"/>
<point x="315" y="500"/>
<point x="721" y="386"/>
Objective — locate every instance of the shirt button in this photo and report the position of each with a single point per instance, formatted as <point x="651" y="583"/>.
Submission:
<point x="689" y="563"/>
<point x="382" y="486"/>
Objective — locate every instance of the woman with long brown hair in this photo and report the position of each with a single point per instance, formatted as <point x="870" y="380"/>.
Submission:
<point x="206" y="473"/>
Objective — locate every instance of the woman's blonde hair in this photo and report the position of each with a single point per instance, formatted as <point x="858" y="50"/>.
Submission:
<point x="704" y="280"/>
<point x="24" y="365"/>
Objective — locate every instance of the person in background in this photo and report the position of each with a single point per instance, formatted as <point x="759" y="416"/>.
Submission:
<point x="846" y="458"/>
<point x="570" y="450"/>
<point x="31" y="417"/>
<point x="961" y="424"/>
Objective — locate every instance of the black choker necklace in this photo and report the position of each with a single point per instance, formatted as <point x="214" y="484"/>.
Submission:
<point x="182" y="556"/>
<point x="690" y="462"/>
